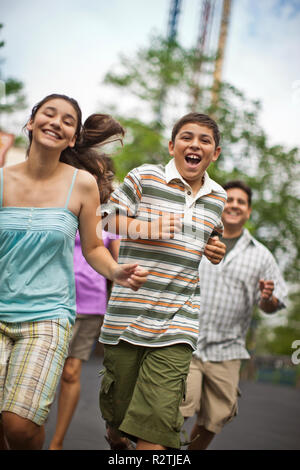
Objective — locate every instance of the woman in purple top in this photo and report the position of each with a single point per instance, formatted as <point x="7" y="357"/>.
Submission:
<point x="91" y="302"/>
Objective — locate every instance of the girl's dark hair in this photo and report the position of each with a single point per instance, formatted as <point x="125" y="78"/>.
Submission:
<point x="202" y="119"/>
<point x="105" y="182"/>
<point x="97" y="130"/>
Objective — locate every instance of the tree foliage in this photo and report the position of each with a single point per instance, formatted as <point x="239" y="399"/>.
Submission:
<point x="160" y="76"/>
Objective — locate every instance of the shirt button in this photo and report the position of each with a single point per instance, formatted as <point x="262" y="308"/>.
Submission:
<point x="189" y="193"/>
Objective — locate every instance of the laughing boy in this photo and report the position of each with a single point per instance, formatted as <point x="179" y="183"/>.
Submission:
<point x="167" y="216"/>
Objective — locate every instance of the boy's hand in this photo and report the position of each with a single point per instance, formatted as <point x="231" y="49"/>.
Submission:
<point x="215" y="250"/>
<point x="164" y="227"/>
<point x="130" y="275"/>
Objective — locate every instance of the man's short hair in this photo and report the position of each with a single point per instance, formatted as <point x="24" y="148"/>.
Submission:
<point x="241" y="185"/>
<point x="202" y="119"/>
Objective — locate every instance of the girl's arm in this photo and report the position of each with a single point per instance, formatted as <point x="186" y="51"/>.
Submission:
<point x="93" y="249"/>
<point x="114" y="247"/>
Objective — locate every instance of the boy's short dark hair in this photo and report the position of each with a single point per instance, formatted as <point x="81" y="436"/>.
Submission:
<point x="241" y="185"/>
<point x="202" y="119"/>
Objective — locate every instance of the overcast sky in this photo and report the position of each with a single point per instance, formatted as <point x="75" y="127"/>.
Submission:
<point x="67" y="46"/>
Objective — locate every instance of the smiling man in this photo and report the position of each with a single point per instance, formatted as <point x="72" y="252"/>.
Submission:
<point x="169" y="214"/>
<point x="247" y="276"/>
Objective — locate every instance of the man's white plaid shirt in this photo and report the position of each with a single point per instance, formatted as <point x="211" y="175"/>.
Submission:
<point x="229" y="292"/>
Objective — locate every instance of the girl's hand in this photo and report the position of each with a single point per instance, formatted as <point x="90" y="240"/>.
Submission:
<point x="130" y="275"/>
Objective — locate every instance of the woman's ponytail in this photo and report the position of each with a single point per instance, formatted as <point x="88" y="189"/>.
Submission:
<point x="98" y="130"/>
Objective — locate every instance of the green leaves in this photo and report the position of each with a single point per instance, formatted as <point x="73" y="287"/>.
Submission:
<point x="143" y="144"/>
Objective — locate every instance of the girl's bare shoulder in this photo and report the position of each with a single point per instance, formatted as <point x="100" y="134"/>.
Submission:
<point x="86" y="180"/>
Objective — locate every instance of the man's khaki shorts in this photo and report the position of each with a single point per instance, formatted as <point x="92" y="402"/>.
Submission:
<point x="32" y="356"/>
<point x="142" y="389"/>
<point x="212" y="393"/>
<point x="85" y="332"/>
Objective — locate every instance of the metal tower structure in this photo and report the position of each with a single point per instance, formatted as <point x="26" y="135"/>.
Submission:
<point x="221" y="49"/>
<point x="204" y="30"/>
<point x="174" y="12"/>
<point x="211" y="39"/>
<point x="202" y="46"/>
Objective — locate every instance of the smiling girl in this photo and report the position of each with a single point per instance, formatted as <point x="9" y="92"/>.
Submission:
<point x="42" y="203"/>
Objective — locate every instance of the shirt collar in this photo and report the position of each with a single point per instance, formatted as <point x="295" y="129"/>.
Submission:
<point x="243" y="242"/>
<point x="208" y="186"/>
<point x="246" y="236"/>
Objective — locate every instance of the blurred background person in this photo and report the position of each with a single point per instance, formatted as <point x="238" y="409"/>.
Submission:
<point x="248" y="276"/>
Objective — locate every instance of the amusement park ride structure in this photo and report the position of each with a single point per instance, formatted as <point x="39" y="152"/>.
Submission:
<point x="211" y="38"/>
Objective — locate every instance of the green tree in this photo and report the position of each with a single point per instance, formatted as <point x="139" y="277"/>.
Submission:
<point x="159" y="76"/>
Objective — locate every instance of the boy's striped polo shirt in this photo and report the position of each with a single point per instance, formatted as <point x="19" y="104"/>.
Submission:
<point x="165" y="309"/>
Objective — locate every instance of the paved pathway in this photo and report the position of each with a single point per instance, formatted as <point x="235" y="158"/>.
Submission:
<point x="268" y="419"/>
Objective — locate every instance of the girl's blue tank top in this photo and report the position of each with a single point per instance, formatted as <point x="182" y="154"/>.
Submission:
<point x="36" y="261"/>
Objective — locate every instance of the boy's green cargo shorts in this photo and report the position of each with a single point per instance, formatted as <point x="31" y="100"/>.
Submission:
<point x="142" y="389"/>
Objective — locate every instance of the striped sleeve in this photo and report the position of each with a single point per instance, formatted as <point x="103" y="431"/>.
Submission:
<point x="219" y="228"/>
<point x="126" y="198"/>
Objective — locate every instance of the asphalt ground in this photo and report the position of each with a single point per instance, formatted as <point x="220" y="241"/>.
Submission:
<point x="268" y="417"/>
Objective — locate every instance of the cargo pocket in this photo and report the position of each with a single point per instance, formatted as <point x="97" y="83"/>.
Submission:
<point x="179" y="420"/>
<point x="106" y="397"/>
<point x="239" y="394"/>
<point x="234" y="410"/>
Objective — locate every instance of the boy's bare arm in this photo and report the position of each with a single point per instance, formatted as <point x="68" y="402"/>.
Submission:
<point x="163" y="227"/>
